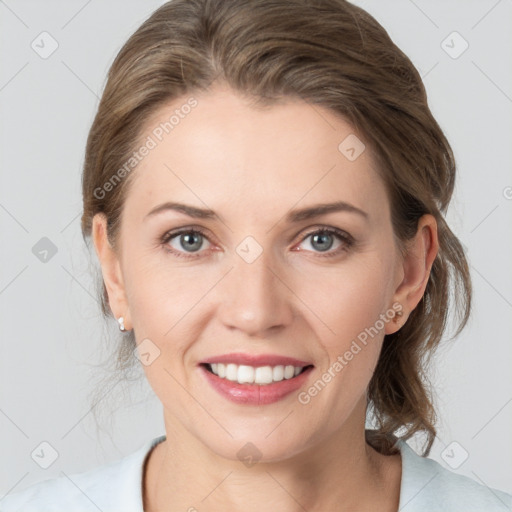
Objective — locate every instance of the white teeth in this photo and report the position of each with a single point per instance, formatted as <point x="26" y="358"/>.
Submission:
<point x="244" y="374"/>
<point x="231" y="372"/>
<point x="288" y="372"/>
<point x="263" y="375"/>
<point x="278" y="373"/>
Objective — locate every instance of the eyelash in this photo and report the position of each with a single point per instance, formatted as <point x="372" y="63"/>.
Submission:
<point x="347" y="240"/>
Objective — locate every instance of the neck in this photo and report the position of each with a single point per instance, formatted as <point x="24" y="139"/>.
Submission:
<point x="341" y="473"/>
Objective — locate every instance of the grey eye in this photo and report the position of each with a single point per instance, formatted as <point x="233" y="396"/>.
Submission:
<point x="191" y="241"/>
<point x="322" y="241"/>
<point x="187" y="241"/>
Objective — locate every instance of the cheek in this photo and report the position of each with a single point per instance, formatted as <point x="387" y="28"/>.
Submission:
<point x="342" y="300"/>
<point x="352" y="303"/>
<point x="348" y="301"/>
<point x="163" y="304"/>
<point x="160" y="294"/>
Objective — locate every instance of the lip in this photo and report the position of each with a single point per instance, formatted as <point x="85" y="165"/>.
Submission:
<point x="254" y="394"/>
<point x="255" y="360"/>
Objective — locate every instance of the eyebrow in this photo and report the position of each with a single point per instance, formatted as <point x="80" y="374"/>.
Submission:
<point x="293" y="216"/>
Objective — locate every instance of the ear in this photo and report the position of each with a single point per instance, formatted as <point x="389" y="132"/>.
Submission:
<point x="110" y="269"/>
<point x="415" y="268"/>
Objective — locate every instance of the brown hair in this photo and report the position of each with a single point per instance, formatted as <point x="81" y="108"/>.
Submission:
<point x="326" y="52"/>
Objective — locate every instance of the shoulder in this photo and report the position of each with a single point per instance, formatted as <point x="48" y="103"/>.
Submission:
<point x="427" y="486"/>
<point x="110" y="487"/>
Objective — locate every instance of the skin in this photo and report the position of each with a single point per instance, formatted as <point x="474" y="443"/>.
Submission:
<point x="252" y="166"/>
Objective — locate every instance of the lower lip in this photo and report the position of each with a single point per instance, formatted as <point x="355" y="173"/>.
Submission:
<point x="253" y="394"/>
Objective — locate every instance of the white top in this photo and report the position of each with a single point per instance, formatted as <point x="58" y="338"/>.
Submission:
<point x="426" y="486"/>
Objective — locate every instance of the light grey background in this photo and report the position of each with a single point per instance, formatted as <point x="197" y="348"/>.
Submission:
<point x="51" y="329"/>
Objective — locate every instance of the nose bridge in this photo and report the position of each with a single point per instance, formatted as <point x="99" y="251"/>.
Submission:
<point x="253" y="298"/>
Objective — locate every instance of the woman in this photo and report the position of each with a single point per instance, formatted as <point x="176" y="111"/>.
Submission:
<point x="265" y="189"/>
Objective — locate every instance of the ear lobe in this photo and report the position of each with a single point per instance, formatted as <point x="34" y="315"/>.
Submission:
<point x="110" y="268"/>
<point x="416" y="266"/>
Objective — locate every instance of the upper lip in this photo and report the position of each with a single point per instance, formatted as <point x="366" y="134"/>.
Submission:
<point x="256" y="360"/>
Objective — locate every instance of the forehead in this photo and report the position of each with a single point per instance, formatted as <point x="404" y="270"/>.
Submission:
<point x="222" y="149"/>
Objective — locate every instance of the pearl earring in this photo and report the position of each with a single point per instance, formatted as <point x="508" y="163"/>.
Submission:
<point x="398" y="314"/>
<point x="121" y="324"/>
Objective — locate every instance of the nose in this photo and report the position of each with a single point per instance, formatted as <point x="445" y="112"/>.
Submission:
<point x="255" y="297"/>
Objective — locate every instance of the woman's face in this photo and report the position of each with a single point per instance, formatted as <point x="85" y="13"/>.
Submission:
<point x="257" y="280"/>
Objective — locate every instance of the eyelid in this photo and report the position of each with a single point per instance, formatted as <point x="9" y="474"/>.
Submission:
<point x="186" y="229"/>
<point x="328" y="229"/>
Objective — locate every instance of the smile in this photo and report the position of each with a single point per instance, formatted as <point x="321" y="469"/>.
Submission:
<point x="256" y="380"/>
<point x="261" y="375"/>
